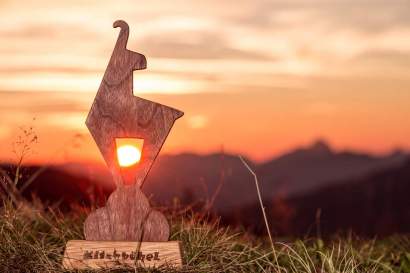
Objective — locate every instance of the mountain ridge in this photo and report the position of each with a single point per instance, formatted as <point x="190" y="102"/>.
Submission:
<point x="222" y="182"/>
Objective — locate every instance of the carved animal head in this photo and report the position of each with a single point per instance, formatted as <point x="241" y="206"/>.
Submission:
<point x="123" y="61"/>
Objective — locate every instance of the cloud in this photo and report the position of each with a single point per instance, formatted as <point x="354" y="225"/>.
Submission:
<point x="46" y="69"/>
<point x="368" y="16"/>
<point x="35" y="103"/>
<point x="228" y="41"/>
<point x="398" y="58"/>
<point x="42" y="30"/>
<point x="197" y="121"/>
<point x="73" y="120"/>
<point x="193" y="45"/>
<point x="361" y="15"/>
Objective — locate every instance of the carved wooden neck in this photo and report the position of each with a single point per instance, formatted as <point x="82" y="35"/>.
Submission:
<point x="123" y="36"/>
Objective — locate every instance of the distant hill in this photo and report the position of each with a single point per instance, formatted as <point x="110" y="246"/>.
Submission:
<point x="304" y="170"/>
<point x="316" y="166"/>
<point x="376" y="204"/>
<point x="55" y="186"/>
<point x="294" y="185"/>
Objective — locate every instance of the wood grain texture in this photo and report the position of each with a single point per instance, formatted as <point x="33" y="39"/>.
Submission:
<point x="95" y="254"/>
<point x="117" y="113"/>
<point x="127" y="216"/>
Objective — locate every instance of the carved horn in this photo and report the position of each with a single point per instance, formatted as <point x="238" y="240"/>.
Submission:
<point x="123" y="36"/>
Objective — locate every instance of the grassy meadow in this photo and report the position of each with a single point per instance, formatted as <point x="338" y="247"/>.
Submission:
<point x="32" y="239"/>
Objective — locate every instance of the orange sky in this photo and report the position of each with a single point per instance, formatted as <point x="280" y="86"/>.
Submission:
<point x="254" y="77"/>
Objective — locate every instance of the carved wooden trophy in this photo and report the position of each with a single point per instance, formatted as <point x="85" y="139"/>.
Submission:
<point x="127" y="231"/>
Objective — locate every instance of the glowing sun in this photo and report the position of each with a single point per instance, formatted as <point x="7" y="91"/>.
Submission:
<point x="128" y="155"/>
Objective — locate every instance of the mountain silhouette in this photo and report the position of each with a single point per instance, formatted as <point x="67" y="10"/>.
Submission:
<point x="295" y="186"/>
<point x="376" y="204"/>
<point x="222" y="177"/>
<point x="315" y="166"/>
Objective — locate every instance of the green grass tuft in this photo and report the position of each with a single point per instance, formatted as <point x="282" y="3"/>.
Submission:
<point x="32" y="240"/>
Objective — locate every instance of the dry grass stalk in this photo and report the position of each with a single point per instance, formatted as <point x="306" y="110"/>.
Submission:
<point x="262" y="207"/>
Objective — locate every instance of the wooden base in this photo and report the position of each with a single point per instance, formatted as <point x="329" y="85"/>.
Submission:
<point x="80" y="254"/>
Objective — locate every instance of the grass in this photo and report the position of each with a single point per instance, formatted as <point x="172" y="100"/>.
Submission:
<point x="32" y="239"/>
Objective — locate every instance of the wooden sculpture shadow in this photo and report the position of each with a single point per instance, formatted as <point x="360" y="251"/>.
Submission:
<point x="117" y="113"/>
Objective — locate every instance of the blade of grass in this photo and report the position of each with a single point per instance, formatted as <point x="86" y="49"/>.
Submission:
<point x="262" y="207"/>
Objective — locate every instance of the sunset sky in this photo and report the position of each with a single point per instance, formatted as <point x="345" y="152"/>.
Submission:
<point x="252" y="76"/>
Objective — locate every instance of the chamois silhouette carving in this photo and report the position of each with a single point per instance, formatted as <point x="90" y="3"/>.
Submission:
<point x="117" y="113"/>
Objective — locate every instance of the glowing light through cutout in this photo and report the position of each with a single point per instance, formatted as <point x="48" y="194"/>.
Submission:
<point x="129" y="151"/>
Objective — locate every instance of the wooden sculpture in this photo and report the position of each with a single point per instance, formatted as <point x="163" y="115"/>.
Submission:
<point x="116" y="113"/>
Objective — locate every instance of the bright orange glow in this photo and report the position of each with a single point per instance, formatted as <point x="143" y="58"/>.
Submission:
<point x="129" y="151"/>
<point x="128" y="155"/>
<point x="252" y="92"/>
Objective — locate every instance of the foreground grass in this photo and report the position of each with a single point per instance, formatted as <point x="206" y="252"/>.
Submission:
<point x="33" y="241"/>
